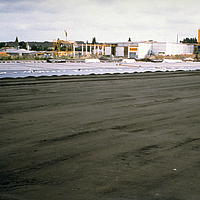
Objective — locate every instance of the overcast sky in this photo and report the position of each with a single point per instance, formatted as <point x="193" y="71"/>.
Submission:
<point x="107" y="20"/>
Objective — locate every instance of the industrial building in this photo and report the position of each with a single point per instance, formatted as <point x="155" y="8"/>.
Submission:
<point x="134" y="49"/>
<point x="144" y="49"/>
<point x="124" y="49"/>
<point x="150" y="48"/>
<point x="137" y="50"/>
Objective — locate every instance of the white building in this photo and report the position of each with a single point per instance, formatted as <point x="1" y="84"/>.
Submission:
<point x="143" y="49"/>
<point x="20" y="52"/>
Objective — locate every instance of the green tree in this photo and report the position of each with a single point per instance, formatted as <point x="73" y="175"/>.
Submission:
<point x="189" y="40"/>
<point x="45" y="48"/>
<point x="63" y="48"/>
<point x="94" y="40"/>
<point x="17" y="40"/>
<point x="34" y="47"/>
<point x="40" y="48"/>
<point x="22" y="45"/>
<point x="2" y="44"/>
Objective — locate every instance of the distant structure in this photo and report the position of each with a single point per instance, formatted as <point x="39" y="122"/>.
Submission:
<point x="130" y="49"/>
<point x="66" y="34"/>
<point x="17" y="40"/>
<point x="40" y="46"/>
<point x="147" y="49"/>
<point x="199" y="36"/>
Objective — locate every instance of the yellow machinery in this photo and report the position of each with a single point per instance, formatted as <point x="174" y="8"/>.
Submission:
<point x="58" y="43"/>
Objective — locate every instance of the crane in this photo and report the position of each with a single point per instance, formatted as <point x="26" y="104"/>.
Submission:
<point x="57" y="44"/>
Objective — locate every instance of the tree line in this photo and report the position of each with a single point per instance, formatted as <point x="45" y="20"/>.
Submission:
<point x="189" y="40"/>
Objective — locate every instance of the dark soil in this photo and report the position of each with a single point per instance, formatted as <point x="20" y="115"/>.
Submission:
<point x="129" y="136"/>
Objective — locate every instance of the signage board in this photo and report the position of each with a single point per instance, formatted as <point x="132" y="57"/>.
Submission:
<point x="133" y="49"/>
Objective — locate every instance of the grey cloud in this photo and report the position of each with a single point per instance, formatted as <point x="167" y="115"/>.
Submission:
<point x="24" y="6"/>
<point x="85" y="18"/>
<point x="20" y="6"/>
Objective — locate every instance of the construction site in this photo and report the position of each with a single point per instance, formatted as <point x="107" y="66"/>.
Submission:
<point x="70" y="49"/>
<point x="132" y="50"/>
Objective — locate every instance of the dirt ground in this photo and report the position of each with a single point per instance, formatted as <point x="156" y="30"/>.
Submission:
<point x="123" y="136"/>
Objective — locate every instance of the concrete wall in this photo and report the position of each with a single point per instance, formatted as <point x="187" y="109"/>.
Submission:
<point x="154" y="48"/>
<point x="107" y="51"/>
<point x="178" y="49"/>
<point x="120" y="51"/>
<point x="158" y="48"/>
<point x="143" y="49"/>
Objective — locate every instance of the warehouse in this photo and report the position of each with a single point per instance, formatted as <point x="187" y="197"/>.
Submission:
<point x="171" y="48"/>
<point x="122" y="49"/>
<point x="144" y="49"/>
